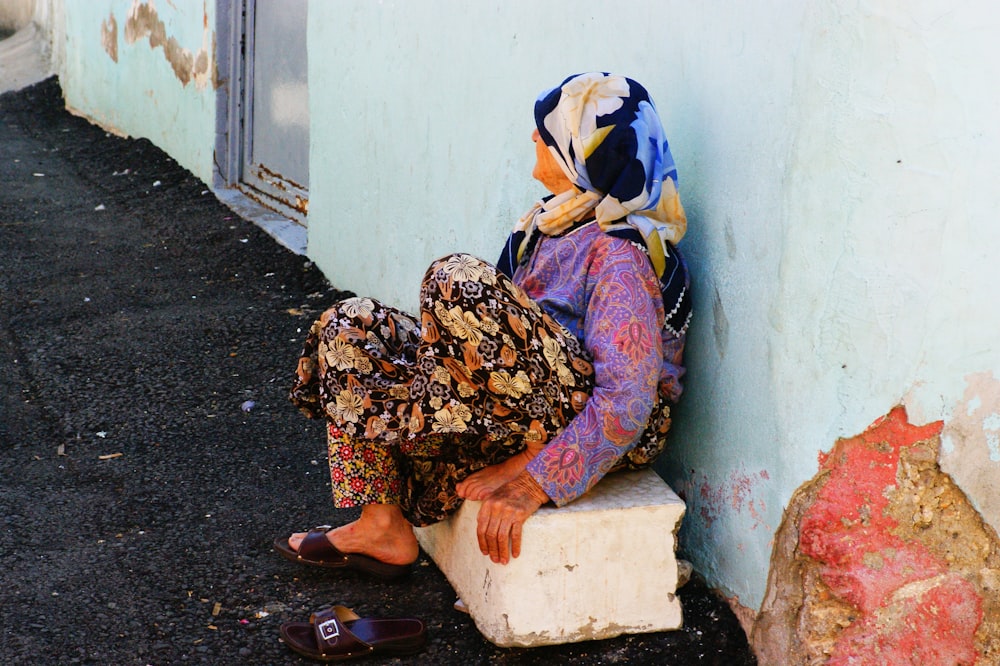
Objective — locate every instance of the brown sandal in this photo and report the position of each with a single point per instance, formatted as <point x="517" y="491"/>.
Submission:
<point x="316" y="550"/>
<point x="339" y="634"/>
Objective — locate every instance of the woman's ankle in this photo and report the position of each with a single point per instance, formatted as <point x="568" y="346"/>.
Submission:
<point x="384" y="517"/>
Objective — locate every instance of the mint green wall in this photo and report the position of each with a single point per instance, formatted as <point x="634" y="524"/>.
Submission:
<point x="421" y="147"/>
<point x="836" y="160"/>
<point x="142" y="94"/>
<point x="423" y="116"/>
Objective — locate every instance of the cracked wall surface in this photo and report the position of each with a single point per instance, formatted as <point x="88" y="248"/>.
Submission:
<point x="881" y="559"/>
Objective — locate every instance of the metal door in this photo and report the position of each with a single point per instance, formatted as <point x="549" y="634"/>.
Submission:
<point x="274" y="166"/>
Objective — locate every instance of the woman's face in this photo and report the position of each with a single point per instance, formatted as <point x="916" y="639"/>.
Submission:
<point x="547" y="170"/>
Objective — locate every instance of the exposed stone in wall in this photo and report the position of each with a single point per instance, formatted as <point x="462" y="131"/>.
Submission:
<point x="970" y="443"/>
<point x="200" y="68"/>
<point x="881" y="559"/>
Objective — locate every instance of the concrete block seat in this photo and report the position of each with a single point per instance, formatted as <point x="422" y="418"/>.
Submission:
<point x="601" y="566"/>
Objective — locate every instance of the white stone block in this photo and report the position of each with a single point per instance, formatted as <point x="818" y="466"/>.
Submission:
<point x="601" y="566"/>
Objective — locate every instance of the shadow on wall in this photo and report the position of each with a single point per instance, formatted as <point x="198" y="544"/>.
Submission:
<point x="882" y="554"/>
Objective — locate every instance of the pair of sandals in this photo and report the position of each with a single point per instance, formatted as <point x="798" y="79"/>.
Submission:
<point x="337" y="633"/>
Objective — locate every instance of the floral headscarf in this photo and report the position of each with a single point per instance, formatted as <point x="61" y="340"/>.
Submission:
<point x="605" y="134"/>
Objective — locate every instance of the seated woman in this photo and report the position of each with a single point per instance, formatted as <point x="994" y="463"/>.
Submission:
<point x="521" y="383"/>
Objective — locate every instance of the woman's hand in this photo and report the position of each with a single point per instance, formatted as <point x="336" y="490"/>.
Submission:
<point x="480" y="485"/>
<point x="502" y="516"/>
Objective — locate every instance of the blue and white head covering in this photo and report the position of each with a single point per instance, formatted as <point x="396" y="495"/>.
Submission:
<point x="605" y="134"/>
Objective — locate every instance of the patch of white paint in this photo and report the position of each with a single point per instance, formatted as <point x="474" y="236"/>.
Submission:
<point x="992" y="422"/>
<point x="993" y="441"/>
<point x="973" y="406"/>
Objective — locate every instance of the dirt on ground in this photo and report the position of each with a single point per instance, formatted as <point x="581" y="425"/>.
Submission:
<point x="148" y="452"/>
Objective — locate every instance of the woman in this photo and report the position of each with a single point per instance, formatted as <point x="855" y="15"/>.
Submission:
<point x="517" y="384"/>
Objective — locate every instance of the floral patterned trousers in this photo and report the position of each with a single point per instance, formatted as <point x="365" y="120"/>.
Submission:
<point x="414" y="406"/>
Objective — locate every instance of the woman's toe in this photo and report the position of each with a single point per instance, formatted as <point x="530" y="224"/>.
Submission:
<point x="295" y="540"/>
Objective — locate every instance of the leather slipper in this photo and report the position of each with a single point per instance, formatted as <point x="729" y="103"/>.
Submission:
<point x="339" y="634"/>
<point x="316" y="550"/>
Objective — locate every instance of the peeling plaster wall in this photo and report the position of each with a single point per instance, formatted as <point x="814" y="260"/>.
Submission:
<point x="879" y="288"/>
<point x="836" y="160"/>
<point x="887" y="287"/>
<point x="970" y="443"/>
<point x="146" y="69"/>
<point x="881" y="559"/>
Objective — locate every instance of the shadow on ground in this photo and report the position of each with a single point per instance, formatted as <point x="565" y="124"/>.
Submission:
<point x="148" y="455"/>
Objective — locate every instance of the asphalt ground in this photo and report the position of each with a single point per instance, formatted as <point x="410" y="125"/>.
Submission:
<point x="148" y="453"/>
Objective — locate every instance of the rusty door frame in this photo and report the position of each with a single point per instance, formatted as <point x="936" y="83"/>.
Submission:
<point x="234" y="131"/>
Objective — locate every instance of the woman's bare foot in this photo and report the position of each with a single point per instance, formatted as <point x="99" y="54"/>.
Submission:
<point x="381" y="532"/>
<point x="480" y="485"/>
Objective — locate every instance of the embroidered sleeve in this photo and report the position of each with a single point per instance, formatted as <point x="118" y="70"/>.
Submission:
<point x="622" y="332"/>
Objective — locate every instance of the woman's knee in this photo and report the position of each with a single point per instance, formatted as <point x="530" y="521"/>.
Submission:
<point x="455" y="276"/>
<point x="355" y="309"/>
<point x="461" y="267"/>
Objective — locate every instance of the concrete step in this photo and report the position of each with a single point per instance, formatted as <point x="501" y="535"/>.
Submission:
<point x="601" y="566"/>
